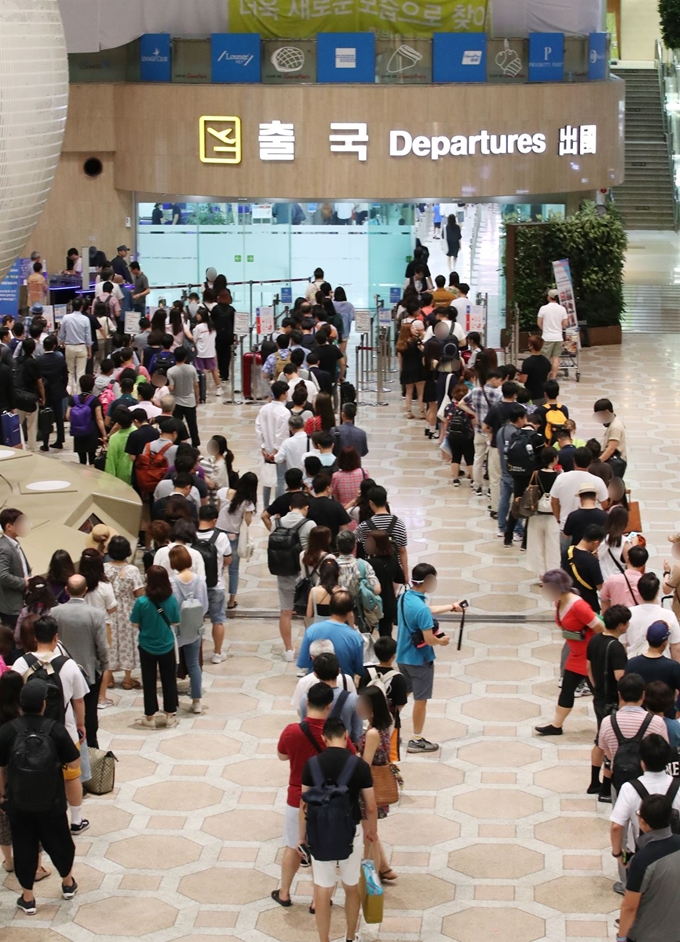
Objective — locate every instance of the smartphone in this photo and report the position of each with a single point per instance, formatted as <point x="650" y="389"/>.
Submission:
<point x="464" y="603"/>
<point x="305" y="855"/>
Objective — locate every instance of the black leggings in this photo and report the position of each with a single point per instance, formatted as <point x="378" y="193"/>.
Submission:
<point x="570" y="682"/>
<point x="167" y="665"/>
<point x="29" y="831"/>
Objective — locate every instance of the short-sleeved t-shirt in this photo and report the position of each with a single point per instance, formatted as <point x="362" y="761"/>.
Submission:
<point x="182" y="380"/>
<point x="125" y="401"/>
<point x="398" y="691"/>
<point x="329" y="357"/>
<point x="566" y="488"/>
<point x="577" y="521"/>
<point x="656" y="668"/>
<point x="296" y="745"/>
<point x="537" y="369"/>
<point x="136" y="442"/>
<point x="281" y="506"/>
<point x="604" y="650"/>
<point x="617" y="432"/>
<point x="413" y="614"/>
<point x="326" y="512"/>
<point x="332" y="762"/>
<point x="73" y="684"/>
<point x="588" y="568"/>
<point x="553" y="315"/>
<point x="496" y="418"/>
<point x="223" y="546"/>
<point x="65" y="749"/>
<point x="155" y="635"/>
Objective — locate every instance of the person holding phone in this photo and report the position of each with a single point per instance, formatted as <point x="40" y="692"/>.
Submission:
<point x="418" y="635"/>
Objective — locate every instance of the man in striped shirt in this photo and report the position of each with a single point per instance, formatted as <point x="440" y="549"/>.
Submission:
<point x="480" y="399"/>
<point x="382" y="519"/>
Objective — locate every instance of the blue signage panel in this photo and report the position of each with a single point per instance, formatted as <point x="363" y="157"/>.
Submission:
<point x="597" y="57"/>
<point x="154" y="53"/>
<point x="546" y="57"/>
<point x="395" y="295"/>
<point x="9" y="290"/>
<point x="345" y="57"/>
<point x="235" y="57"/>
<point x="286" y="295"/>
<point x="459" y="57"/>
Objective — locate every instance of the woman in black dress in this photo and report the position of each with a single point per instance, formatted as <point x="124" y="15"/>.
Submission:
<point x="388" y="570"/>
<point x="432" y="354"/>
<point x="453" y="237"/>
<point x="410" y="353"/>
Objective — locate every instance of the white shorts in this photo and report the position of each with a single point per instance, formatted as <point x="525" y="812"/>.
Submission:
<point x="324" y="871"/>
<point x="291" y="827"/>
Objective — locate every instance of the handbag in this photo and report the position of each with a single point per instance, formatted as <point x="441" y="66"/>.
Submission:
<point x="385" y="785"/>
<point x="302" y="589"/>
<point x="446" y="401"/>
<point x="617" y="464"/>
<point x="26" y="401"/>
<point x="246" y="547"/>
<point x="100" y="458"/>
<point x="634" y="519"/>
<point x="370" y="887"/>
<point x="268" y="475"/>
<point x="45" y="421"/>
<point x="528" y="502"/>
<point x="103" y="778"/>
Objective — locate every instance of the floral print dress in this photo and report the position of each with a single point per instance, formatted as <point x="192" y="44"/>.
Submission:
<point x="125" y="580"/>
<point x="381" y="757"/>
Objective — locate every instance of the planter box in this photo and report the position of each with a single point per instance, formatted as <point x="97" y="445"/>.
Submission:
<point x="598" y="336"/>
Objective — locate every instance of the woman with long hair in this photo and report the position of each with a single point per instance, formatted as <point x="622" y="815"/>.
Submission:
<point x="127" y="584"/>
<point x="59" y="571"/>
<point x="237" y="506"/>
<point x="154" y="614"/>
<point x="432" y="353"/>
<point x="410" y="353"/>
<point x="346" y="311"/>
<point x="613" y="550"/>
<point x="318" y="548"/>
<point x="39" y="600"/>
<point x="453" y="237"/>
<point x="374" y="748"/>
<point x="324" y="416"/>
<point x="186" y="585"/>
<point x="204" y="337"/>
<point x="158" y="320"/>
<point x="454" y="282"/>
<point x="218" y="464"/>
<point x="475" y="346"/>
<point x="578" y="623"/>
<point x="360" y="508"/>
<point x="346" y="481"/>
<point x="378" y="552"/>
<point x="223" y="318"/>
<point x="319" y="602"/>
<point x="177" y="325"/>
<point x="99" y="592"/>
<point x="543" y="530"/>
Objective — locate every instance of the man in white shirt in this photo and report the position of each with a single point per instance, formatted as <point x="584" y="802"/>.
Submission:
<point x="643" y="615"/>
<point x="564" y="494"/>
<point x="207" y="533"/>
<point x="307" y="680"/>
<point x="615" y="433"/>
<point x="655" y="755"/>
<point x="462" y="307"/>
<point x="75" y="333"/>
<point x="314" y="286"/>
<point x="294" y="519"/>
<point x="552" y="319"/>
<point x="271" y="429"/>
<point x="292" y="377"/>
<point x="75" y="688"/>
<point x="443" y="329"/>
<point x="292" y="452"/>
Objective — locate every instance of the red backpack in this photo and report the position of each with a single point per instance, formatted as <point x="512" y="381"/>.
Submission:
<point x="107" y="396"/>
<point x="151" y="468"/>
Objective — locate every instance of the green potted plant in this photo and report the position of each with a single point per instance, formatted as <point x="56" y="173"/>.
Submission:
<point x="669" y="13"/>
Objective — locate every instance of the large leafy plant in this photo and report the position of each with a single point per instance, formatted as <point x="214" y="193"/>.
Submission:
<point x="669" y="12"/>
<point x="595" y="246"/>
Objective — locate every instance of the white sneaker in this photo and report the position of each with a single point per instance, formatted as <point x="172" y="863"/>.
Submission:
<point x="218" y="390"/>
<point x="289" y="656"/>
<point x="218" y="658"/>
<point x="196" y="706"/>
<point x="302" y="672"/>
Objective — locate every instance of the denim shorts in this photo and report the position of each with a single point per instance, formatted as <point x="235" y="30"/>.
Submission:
<point x="216" y="610"/>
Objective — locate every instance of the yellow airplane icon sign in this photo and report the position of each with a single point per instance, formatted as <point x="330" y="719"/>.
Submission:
<point x="219" y="139"/>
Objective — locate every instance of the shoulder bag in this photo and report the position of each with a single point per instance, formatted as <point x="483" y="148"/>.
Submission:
<point x="246" y="547"/>
<point x="529" y="501"/>
<point x="566" y="634"/>
<point x="385" y="785"/>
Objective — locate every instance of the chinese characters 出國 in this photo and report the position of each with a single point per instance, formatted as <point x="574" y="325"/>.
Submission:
<point x="578" y="140"/>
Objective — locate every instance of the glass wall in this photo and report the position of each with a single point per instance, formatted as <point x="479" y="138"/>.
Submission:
<point x="362" y="246"/>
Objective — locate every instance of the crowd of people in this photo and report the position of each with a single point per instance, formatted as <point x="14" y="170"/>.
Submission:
<point x="136" y="615"/>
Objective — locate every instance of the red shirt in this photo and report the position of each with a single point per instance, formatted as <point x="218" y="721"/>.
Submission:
<point x="294" y="744"/>
<point x="576" y="618"/>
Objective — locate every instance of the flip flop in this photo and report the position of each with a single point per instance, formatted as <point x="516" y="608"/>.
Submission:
<point x="277" y="899"/>
<point x="6" y="868"/>
<point x="42" y="874"/>
<point x="384" y="875"/>
<point x="232" y="605"/>
<point x="131" y="685"/>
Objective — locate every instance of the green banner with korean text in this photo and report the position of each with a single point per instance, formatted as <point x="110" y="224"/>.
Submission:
<point x="302" y="19"/>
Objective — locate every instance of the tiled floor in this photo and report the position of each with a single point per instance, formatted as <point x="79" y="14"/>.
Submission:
<point x="494" y="837"/>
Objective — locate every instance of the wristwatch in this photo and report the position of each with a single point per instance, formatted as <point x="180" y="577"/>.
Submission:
<point x="620" y="854"/>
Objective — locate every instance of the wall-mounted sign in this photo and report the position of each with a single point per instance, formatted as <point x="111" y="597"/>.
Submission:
<point x="288" y="62"/>
<point x="264" y="320"/>
<point x="241" y="323"/>
<point x="458" y="57"/>
<point x="235" y="57"/>
<point x="219" y="139"/>
<point x="507" y="61"/>
<point x="597" y="56"/>
<point x="403" y="63"/>
<point x="345" y="57"/>
<point x="286" y="295"/>
<point x="154" y="57"/>
<point x="546" y="57"/>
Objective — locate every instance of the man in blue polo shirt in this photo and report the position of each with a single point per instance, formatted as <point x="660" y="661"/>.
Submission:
<point x="417" y="636"/>
<point x="347" y="641"/>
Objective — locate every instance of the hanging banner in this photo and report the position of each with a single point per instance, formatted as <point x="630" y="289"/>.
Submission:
<point x="563" y="282"/>
<point x="241" y="323"/>
<point x="264" y="320"/>
<point x="304" y="19"/>
<point x="9" y="290"/>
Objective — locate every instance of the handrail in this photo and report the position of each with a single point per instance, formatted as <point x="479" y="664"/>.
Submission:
<point x="474" y="240"/>
<point x="660" y="64"/>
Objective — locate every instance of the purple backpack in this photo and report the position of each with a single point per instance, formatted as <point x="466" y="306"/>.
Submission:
<point x="82" y="422"/>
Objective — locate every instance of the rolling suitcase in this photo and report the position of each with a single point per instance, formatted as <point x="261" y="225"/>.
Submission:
<point x="202" y="387"/>
<point x="11" y="429"/>
<point x="251" y="363"/>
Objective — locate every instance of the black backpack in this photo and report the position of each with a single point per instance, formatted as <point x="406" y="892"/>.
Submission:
<point x="48" y="672"/>
<point x="348" y="393"/>
<point x="163" y="362"/>
<point x="520" y="455"/>
<point x="283" y="550"/>
<point x="330" y="825"/>
<point x="460" y="426"/>
<point x="671" y="795"/>
<point x="34" y="769"/>
<point x="208" y="551"/>
<point x="626" y="766"/>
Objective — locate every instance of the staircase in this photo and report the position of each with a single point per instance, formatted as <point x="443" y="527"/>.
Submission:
<point x="646" y="197"/>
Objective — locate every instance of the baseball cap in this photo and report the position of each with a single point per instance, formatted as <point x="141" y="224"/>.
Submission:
<point x="37" y="309"/>
<point x="33" y="695"/>
<point x="123" y="248"/>
<point x="586" y="489"/>
<point x="657" y="633"/>
<point x="553" y="294"/>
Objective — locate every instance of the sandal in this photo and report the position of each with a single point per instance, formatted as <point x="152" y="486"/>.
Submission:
<point x="410" y="415"/>
<point x="131" y="685"/>
<point x="312" y="910"/>
<point x="7" y="869"/>
<point x="232" y="605"/>
<point x="42" y="873"/>
<point x="277" y="899"/>
<point x="385" y="875"/>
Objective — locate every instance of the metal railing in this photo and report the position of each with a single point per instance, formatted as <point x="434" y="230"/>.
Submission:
<point x="373" y="356"/>
<point x="665" y="62"/>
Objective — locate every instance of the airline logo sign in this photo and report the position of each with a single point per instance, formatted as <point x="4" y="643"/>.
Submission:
<point x="235" y="57"/>
<point x="459" y="57"/>
<point x="154" y="55"/>
<point x="219" y="139"/>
